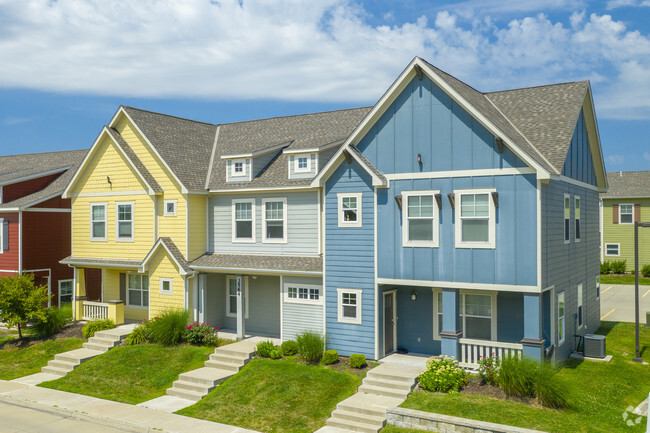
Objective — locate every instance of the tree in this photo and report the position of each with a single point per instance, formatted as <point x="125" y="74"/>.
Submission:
<point x="21" y="301"/>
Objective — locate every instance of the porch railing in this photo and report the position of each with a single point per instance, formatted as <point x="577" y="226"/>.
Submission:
<point x="95" y="310"/>
<point x="471" y="350"/>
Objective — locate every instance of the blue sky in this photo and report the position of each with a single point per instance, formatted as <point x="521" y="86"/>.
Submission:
<point x="67" y="65"/>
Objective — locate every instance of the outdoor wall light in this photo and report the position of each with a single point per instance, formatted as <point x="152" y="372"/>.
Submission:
<point x="419" y="159"/>
<point x="414" y="295"/>
<point x="108" y="179"/>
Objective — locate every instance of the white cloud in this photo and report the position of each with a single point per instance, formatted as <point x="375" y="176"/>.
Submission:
<point x="9" y="121"/>
<point x="646" y="156"/>
<point x="615" y="4"/>
<point x="615" y="159"/>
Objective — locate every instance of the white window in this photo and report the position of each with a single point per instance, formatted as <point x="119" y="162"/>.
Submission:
<point x="124" y="221"/>
<point x="302" y="163"/>
<point x="138" y="290"/>
<point x="303" y="293"/>
<point x="2" y="235"/>
<point x="420" y="219"/>
<point x="97" y="221"/>
<point x="475" y="219"/>
<point x="231" y="295"/>
<point x="478" y="316"/>
<point x="597" y="286"/>
<point x="238" y="168"/>
<point x="349" y="209"/>
<point x="274" y="227"/>
<point x="437" y="313"/>
<point x="166" y="286"/>
<point x="625" y="213"/>
<point x="170" y="207"/>
<point x="567" y="219"/>
<point x="349" y="305"/>
<point x="580" y="310"/>
<point x="65" y="292"/>
<point x="577" y="218"/>
<point x="612" y="249"/>
<point x="561" y="331"/>
<point x="243" y="220"/>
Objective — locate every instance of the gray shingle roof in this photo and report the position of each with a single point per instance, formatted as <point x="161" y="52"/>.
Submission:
<point x="368" y="163"/>
<point x="231" y="262"/>
<point x="628" y="184"/>
<point x="100" y="262"/>
<point x="173" y="249"/>
<point x="139" y="165"/>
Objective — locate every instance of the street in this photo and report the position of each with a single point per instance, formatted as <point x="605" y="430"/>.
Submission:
<point x="617" y="303"/>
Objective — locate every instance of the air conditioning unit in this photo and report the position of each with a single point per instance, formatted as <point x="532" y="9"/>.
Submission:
<point x="594" y="346"/>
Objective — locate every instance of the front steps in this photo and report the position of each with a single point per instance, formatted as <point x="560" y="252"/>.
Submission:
<point x="103" y="341"/>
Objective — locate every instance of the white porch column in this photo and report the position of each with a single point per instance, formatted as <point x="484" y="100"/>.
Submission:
<point x="241" y="325"/>
<point x="201" y="298"/>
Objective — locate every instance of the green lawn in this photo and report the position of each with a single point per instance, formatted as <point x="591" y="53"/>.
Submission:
<point x="29" y="360"/>
<point x="623" y="279"/>
<point x="276" y="396"/>
<point x="599" y="393"/>
<point x="132" y="374"/>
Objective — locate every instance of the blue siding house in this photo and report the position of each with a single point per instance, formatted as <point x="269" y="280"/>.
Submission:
<point x="464" y="223"/>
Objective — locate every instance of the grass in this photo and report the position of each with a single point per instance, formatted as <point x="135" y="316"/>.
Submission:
<point x="23" y="361"/>
<point x="276" y="396"/>
<point x="131" y="374"/>
<point x="599" y="393"/>
<point x="623" y="279"/>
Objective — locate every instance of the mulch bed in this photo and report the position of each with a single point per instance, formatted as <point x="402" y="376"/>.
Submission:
<point x="72" y="330"/>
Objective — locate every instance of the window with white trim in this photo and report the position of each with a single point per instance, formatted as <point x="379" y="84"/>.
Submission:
<point x="561" y="331"/>
<point x="243" y="220"/>
<point x="478" y="316"/>
<point x="576" y="200"/>
<point x="612" y="249"/>
<point x="138" y="290"/>
<point x="567" y="219"/>
<point x="420" y="219"/>
<point x="97" y="221"/>
<point x="437" y="313"/>
<point x="65" y="292"/>
<point x="304" y="294"/>
<point x="238" y="168"/>
<point x="170" y="207"/>
<point x="580" y="310"/>
<point x="166" y="285"/>
<point x="2" y="235"/>
<point x="231" y="296"/>
<point x="475" y="219"/>
<point x="625" y="213"/>
<point x="302" y="163"/>
<point x="124" y="221"/>
<point x="275" y="220"/>
<point x="349" y="305"/>
<point x="349" y="209"/>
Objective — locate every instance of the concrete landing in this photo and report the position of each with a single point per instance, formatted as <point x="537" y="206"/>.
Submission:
<point x="37" y="378"/>
<point x="642" y="408"/>
<point x="167" y="403"/>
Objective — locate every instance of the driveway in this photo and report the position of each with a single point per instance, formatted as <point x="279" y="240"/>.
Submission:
<point x="617" y="302"/>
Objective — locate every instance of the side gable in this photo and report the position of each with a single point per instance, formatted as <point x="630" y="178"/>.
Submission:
<point x="579" y="164"/>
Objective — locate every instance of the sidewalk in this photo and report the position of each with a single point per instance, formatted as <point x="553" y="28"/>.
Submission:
<point x="109" y="413"/>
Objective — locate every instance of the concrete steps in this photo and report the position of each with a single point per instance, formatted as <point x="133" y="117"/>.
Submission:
<point x="104" y="341"/>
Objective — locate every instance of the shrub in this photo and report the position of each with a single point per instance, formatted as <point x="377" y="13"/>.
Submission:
<point x="548" y="389"/>
<point x="55" y="319"/>
<point x="202" y="334"/>
<point x="358" y="360"/>
<point x="275" y="353"/>
<point x="289" y="348"/>
<point x="488" y="368"/>
<point x="645" y="270"/>
<point x="330" y="357"/>
<point x="140" y="334"/>
<point x="169" y="328"/>
<point x="443" y="374"/>
<point x="606" y="267"/>
<point x="311" y="346"/>
<point x="96" y="325"/>
<point x="264" y="348"/>
<point x="618" y="266"/>
<point x="517" y="376"/>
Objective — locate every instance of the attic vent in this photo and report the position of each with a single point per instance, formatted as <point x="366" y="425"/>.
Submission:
<point x="594" y="346"/>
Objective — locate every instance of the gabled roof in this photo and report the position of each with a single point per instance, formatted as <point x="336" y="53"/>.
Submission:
<point x="632" y="184"/>
<point x="174" y="253"/>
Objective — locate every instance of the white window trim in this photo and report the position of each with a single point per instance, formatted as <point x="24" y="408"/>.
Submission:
<point x="579" y="289"/>
<point x="161" y="282"/>
<point x="105" y="237"/>
<point x="576" y="220"/>
<point x="567" y="236"/>
<point x="117" y="222"/>
<point x="285" y="294"/>
<point x="493" y="297"/>
<point x="296" y="167"/>
<point x="233" y="173"/>
<point x="128" y="303"/>
<point x="620" y="214"/>
<point x="490" y="244"/>
<point x="1" y="194"/>
<point x="436" y="331"/>
<point x="618" y="247"/>
<point x="166" y="202"/>
<point x="405" y="221"/>
<point x="597" y="286"/>
<point x="2" y="233"/>
<point x="560" y="318"/>
<point x="284" y="221"/>
<point x="358" y="196"/>
<point x="235" y="239"/>
<point x="246" y="297"/>
<point x="64" y="281"/>
<point x="341" y="319"/>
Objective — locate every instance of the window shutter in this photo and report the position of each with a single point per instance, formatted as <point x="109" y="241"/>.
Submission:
<point x="615" y="214"/>
<point x="5" y="235"/>
<point x="123" y="287"/>
<point x="637" y="213"/>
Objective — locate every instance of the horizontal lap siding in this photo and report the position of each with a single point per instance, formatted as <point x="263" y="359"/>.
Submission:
<point x="162" y="267"/>
<point x="623" y="234"/>
<point x="9" y="257"/>
<point x="299" y="317"/>
<point x="111" y="291"/>
<point x="197" y="228"/>
<point x="302" y="175"/>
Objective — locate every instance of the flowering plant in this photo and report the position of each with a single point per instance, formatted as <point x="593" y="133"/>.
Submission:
<point x="201" y="334"/>
<point x="443" y="374"/>
<point x="488" y="368"/>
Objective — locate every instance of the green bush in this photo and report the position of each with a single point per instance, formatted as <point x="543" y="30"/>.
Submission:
<point x="330" y="357"/>
<point x="289" y="348"/>
<point x="358" y="360"/>
<point x="488" y="368"/>
<point x="169" y="328"/>
<point x="311" y="346"/>
<point x="443" y="374"/>
<point x="202" y="334"/>
<point x="264" y="348"/>
<point x="275" y="353"/>
<point x="645" y="270"/>
<point x="96" y="325"/>
<point x="618" y="266"/>
<point x="548" y="389"/>
<point x="140" y="334"/>
<point x="55" y="319"/>
<point x="517" y="376"/>
<point x="606" y="267"/>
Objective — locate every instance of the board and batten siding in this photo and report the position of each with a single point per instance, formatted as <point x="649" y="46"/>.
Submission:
<point x="349" y="262"/>
<point x="299" y="317"/>
<point x="579" y="163"/>
<point x="302" y="224"/>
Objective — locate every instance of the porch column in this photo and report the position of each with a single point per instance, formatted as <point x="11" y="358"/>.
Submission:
<point x="200" y="307"/>
<point x="533" y="342"/>
<point x="79" y="293"/>
<point x="241" y="325"/>
<point x="451" y="333"/>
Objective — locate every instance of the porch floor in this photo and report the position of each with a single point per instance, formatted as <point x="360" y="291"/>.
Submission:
<point x="417" y="360"/>
<point x="231" y="334"/>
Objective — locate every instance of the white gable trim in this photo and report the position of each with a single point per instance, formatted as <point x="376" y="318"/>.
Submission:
<point x="336" y="160"/>
<point x="153" y="251"/>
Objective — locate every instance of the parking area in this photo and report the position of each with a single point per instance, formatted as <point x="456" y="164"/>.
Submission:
<point x="617" y="303"/>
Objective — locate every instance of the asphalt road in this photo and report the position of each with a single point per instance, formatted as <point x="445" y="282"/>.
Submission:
<point x="617" y="303"/>
<point x="14" y="419"/>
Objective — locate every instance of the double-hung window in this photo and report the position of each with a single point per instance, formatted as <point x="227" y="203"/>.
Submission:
<point x="626" y="213"/>
<point x="567" y="219"/>
<point x="138" y="290"/>
<point x="349" y="305"/>
<point x="243" y="220"/>
<point x="581" y="308"/>
<point x="478" y="316"/>
<point x="475" y="219"/>
<point x="275" y="220"/>
<point x="65" y="292"/>
<point x="576" y="200"/>
<point x="124" y="221"/>
<point x="349" y="208"/>
<point x="98" y="221"/>
<point x="420" y="219"/>
<point x="437" y="313"/>
<point x="231" y="295"/>
<point x="561" y="330"/>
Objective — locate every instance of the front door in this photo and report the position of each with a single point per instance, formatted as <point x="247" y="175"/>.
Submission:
<point x="389" y="322"/>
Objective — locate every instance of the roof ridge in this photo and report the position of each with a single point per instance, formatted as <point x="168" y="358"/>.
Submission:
<point x="44" y="153"/>
<point x="536" y="87"/>
<point x="169" y="115"/>
<point x="629" y="171"/>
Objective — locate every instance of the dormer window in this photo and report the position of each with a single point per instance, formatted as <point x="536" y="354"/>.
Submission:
<point x="238" y="168"/>
<point x="303" y="163"/>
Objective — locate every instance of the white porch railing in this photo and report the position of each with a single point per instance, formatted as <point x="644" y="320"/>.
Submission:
<point x="471" y="350"/>
<point x="95" y="310"/>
